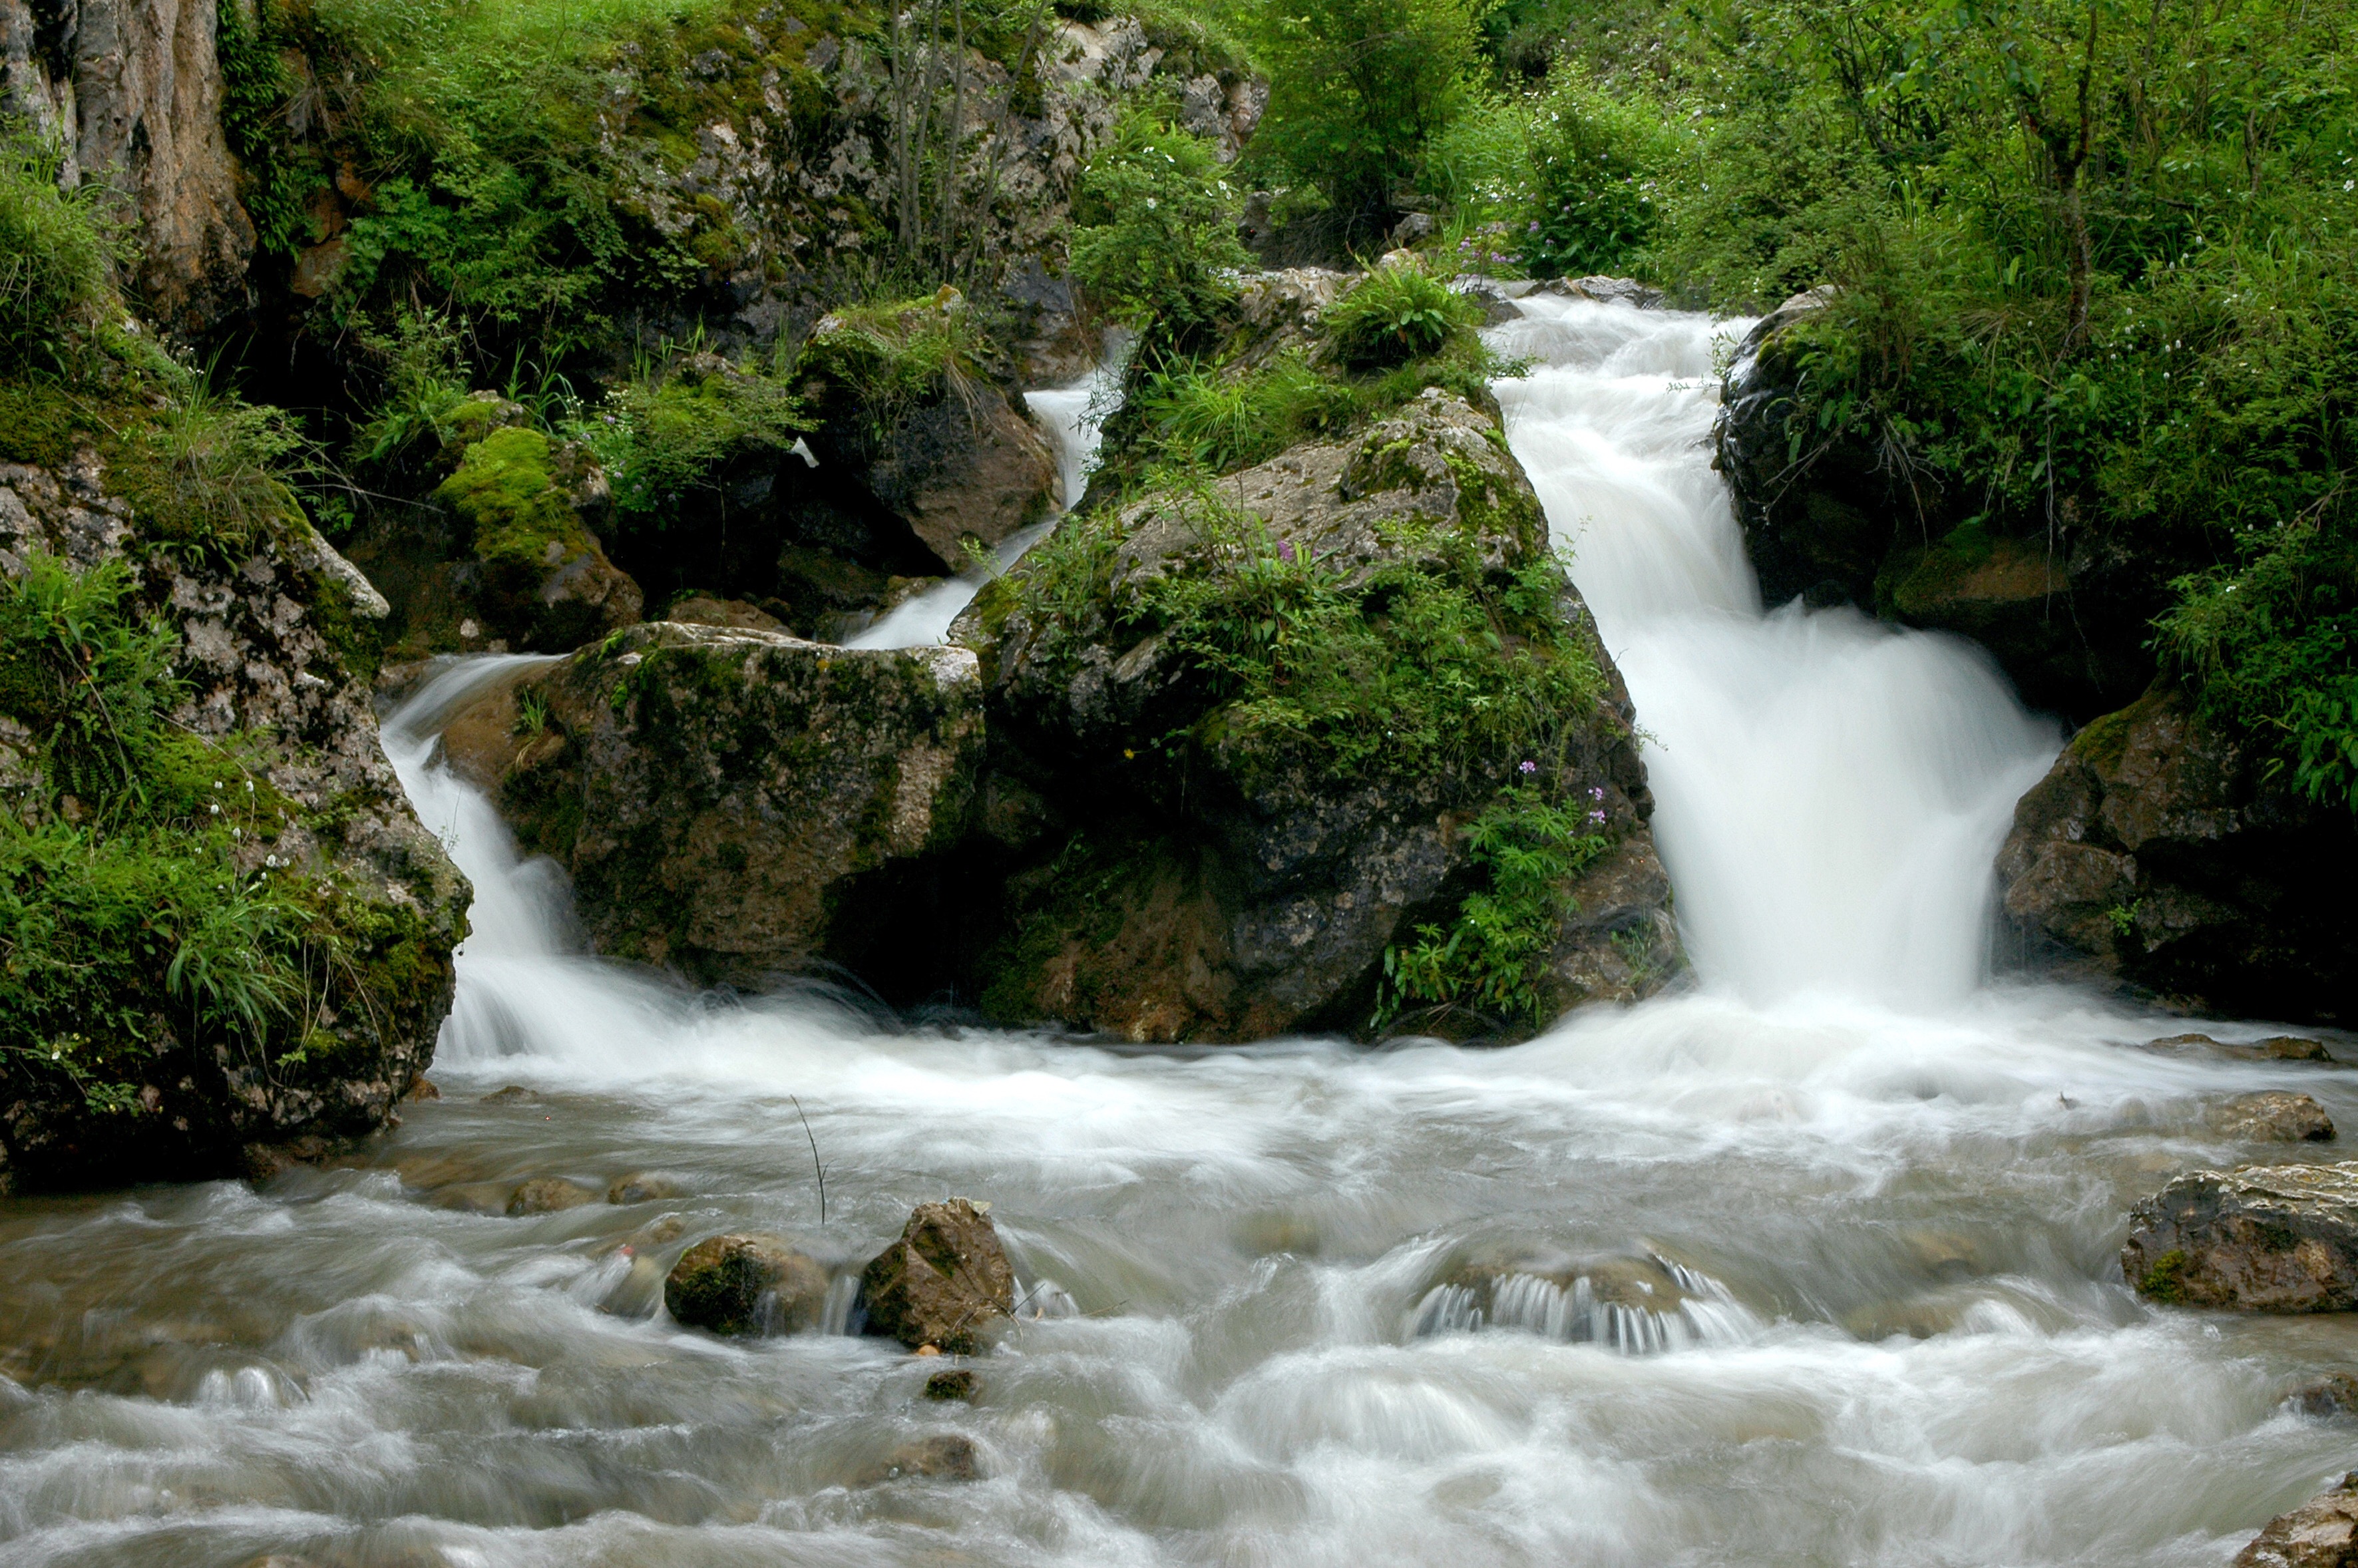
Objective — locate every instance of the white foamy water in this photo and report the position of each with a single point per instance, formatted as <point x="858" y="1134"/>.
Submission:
<point x="1074" y="418"/>
<point x="1886" y="1201"/>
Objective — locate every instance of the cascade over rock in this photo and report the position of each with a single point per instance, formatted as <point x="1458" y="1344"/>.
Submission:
<point x="1252" y="890"/>
<point x="2162" y="852"/>
<point x="719" y="793"/>
<point x="265" y="641"/>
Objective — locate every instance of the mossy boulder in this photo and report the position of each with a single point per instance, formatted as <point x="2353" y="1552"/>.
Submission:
<point x="2276" y="1239"/>
<point x="740" y="1285"/>
<point x="736" y="803"/>
<point x="946" y="1283"/>
<point x="544" y="584"/>
<point x="1261" y="725"/>
<point x="2162" y="852"/>
<point x="262" y="830"/>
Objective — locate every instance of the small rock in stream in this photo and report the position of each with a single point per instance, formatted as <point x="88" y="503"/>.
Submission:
<point x="2321" y="1533"/>
<point x="940" y="1457"/>
<point x="945" y="1283"/>
<point x="645" y="1186"/>
<point x="2280" y="1239"/>
<point x="958" y="1383"/>
<point x="514" y="1094"/>
<point x="746" y="1284"/>
<point x="548" y="1194"/>
<point x="2274" y="1115"/>
<point x="2275" y="1048"/>
<point x="2334" y="1394"/>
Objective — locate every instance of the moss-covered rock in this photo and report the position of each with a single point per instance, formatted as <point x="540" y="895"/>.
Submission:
<point x="235" y="947"/>
<point x="1278" y="727"/>
<point x="2280" y="1239"/>
<point x="544" y="584"/>
<point x="2162" y="852"/>
<point x="733" y="802"/>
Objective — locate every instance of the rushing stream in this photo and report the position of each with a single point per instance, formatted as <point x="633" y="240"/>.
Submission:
<point x="1891" y="1196"/>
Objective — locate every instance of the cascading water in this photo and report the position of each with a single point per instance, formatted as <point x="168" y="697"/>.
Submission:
<point x="1074" y="418"/>
<point x="1876" y="1210"/>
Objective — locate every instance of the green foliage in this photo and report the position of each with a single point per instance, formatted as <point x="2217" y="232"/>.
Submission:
<point x="1596" y="167"/>
<point x="1154" y="233"/>
<point x="124" y="918"/>
<point x="1358" y="90"/>
<point x="892" y="355"/>
<point x="661" y="440"/>
<point x="209" y="472"/>
<point x="425" y="383"/>
<point x="274" y="176"/>
<point x="1493" y="959"/>
<point x="1396" y="314"/>
<point x="1218" y="423"/>
<point x="56" y="253"/>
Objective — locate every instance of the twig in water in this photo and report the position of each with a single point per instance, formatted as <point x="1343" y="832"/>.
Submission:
<point x="814" y="1161"/>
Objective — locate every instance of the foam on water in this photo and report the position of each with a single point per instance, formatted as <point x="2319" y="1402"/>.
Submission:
<point x="1888" y="1198"/>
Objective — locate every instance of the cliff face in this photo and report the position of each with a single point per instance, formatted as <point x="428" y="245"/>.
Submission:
<point x="131" y="92"/>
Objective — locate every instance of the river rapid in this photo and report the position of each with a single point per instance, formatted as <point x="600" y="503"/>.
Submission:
<point x="1894" y="1189"/>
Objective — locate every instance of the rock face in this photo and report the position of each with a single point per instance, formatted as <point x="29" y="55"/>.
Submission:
<point x="966" y="470"/>
<point x="132" y="90"/>
<point x="2321" y="1533"/>
<point x="1835" y="520"/>
<point x="944" y="1283"/>
<point x="731" y="802"/>
<point x="268" y="651"/>
<point x="2159" y="852"/>
<point x="746" y="1285"/>
<point x="2261" y="1238"/>
<point x="1253" y="891"/>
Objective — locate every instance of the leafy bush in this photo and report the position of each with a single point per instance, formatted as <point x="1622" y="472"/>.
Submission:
<point x="660" y="439"/>
<point x="1204" y="420"/>
<point x="56" y="252"/>
<point x="1597" y="162"/>
<point x="1396" y="314"/>
<point x="1358" y="90"/>
<point x="892" y="355"/>
<point x="424" y="382"/>
<point x="1155" y="231"/>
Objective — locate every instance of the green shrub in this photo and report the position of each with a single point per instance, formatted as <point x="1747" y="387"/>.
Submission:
<point x="425" y="383"/>
<point x="661" y="440"/>
<point x="1397" y="313"/>
<point x="209" y="472"/>
<point x="1596" y="164"/>
<point x="1155" y="231"/>
<point x="56" y="252"/>
<point x="274" y="177"/>
<point x="1201" y="418"/>
<point x="892" y="355"/>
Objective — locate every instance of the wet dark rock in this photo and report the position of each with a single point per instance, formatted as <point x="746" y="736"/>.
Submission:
<point x="548" y="1194"/>
<point x="2335" y="1394"/>
<point x="1253" y="890"/>
<point x="704" y="610"/>
<point x="958" y="1383"/>
<point x="513" y="1094"/>
<point x="2321" y="1533"/>
<point x="2274" y="1115"/>
<point x="421" y="1087"/>
<point x="937" y="1457"/>
<point x="945" y="1283"/>
<point x="645" y="1186"/>
<point x="2279" y="1238"/>
<point x="746" y="1285"/>
<point x="730" y="803"/>
<point x="2162" y="852"/>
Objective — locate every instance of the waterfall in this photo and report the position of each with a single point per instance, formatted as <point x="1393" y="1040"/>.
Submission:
<point x="1830" y="791"/>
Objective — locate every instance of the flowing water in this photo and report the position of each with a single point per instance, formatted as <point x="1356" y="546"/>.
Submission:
<point x="1881" y="1202"/>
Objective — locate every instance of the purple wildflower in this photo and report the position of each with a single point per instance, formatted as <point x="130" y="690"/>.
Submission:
<point x="1285" y="550"/>
<point x="1596" y="820"/>
<point x="1596" y="791"/>
<point x="1528" y="767"/>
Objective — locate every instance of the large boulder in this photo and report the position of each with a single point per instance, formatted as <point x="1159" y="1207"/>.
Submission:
<point x="541" y="578"/>
<point x="271" y="639"/>
<point x="2164" y="852"/>
<point x="1187" y="868"/>
<point x="945" y="1283"/>
<point x="2278" y="1238"/>
<point x="2321" y="1533"/>
<point x="731" y="802"/>
<point x="746" y="1285"/>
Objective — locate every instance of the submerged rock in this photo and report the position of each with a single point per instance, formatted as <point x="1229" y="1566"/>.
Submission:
<point x="945" y="1283"/>
<point x="2335" y="1394"/>
<point x="645" y="1187"/>
<point x="2279" y="1238"/>
<point x="958" y="1383"/>
<point x="2274" y="1115"/>
<point x="548" y="1194"/>
<point x="1636" y="1303"/>
<point x="937" y="1457"/>
<point x="2321" y="1533"/>
<point x="2164" y="853"/>
<point x="746" y="1285"/>
<point x="725" y="797"/>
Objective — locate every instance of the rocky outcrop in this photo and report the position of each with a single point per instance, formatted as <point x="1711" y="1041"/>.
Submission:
<point x="1838" y="519"/>
<point x="2165" y="853"/>
<point x="945" y="1283"/>
<point x="2321" y="1533"/>
<point x="746" y="1285"/>
<point x="130" y="90"/>
<point x="2280" y="1239"/>
<point x="2274" y="1115"/>
<point x="272" y="645"/>
<point x="966" y="470"/>
<point x="733" y="803"/>
<point x="1182" y="875"/>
